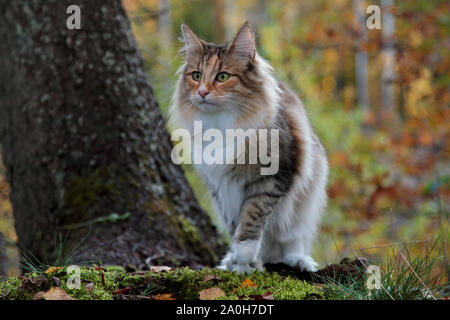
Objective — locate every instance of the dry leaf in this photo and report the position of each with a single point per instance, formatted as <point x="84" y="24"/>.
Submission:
<point x="39" y="295"/>
<point x="52" y="270"/>
<point x="247" y="283"/>
<point x="56" y="294"/>
<point x="210" y="277"/>
<point x="164" y="296"/>
<point x="211" y="293"/>
<point x="160" y="269"/>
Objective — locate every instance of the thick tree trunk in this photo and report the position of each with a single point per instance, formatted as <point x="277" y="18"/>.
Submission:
<point x="84" y="143"/>
<point x="3" y="257"/>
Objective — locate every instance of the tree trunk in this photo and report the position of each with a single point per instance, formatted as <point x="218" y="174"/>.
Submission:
<point x="219" y="20"/>
<point x="388" y="59"/>
<point x="361" y="58"/>
<point x="165" y="26"/>
<point x="3" y="257"/>
<point x="84" y="143"/>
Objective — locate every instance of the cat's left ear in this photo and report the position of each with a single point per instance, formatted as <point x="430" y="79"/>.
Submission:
<point x="243" y="44"/>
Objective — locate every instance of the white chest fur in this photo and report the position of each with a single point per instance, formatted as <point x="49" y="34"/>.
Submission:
<point x="227" y="192"/>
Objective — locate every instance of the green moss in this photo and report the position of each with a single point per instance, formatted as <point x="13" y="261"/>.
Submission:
<point x="188" y="283"/>
<point x="183" y="283"/>
<point x="189" y="229"/>
<point x="9" y="289"/>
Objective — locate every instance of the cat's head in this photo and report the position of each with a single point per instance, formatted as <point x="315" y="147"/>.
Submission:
<point x="224" y="77"/>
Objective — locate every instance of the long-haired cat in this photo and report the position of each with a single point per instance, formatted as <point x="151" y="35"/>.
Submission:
<point x="272" y="218"/>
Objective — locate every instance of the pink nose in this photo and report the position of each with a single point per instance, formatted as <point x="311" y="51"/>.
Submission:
<point x="203" y="93"/>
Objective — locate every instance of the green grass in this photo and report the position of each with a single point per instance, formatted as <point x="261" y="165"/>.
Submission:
<point x="63" y="256"/>
<point x="402" y="277"/>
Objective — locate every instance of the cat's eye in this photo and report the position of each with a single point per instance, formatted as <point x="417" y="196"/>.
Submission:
<point x="222" y="76"/>
<point x="196" y="76"/>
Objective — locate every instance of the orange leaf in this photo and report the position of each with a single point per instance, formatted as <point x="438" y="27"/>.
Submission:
<point x="248" y="283"/>
<point x="164" y="296"/>
<point x="52" y="270"/>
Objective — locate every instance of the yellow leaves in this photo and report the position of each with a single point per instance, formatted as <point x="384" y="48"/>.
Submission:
<point x="415" y="38"/>
<point x="211" y="293"/>
<point x="164" y="296"/>
<point x="52" y="294"/>
<point x="51" y="270"/>
<point x="420" y="89"/>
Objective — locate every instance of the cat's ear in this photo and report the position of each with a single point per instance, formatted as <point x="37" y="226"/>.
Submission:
<point x="243" y="44"/>
<point x="192" y="43"/>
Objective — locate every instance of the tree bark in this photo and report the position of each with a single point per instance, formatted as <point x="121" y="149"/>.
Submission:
<point x="84" y="143"/>
<point x="3" y="257"/>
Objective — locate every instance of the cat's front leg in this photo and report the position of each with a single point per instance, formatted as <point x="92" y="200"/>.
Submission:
<point x="243" y="255"/>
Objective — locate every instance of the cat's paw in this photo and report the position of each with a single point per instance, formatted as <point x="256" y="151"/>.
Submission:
<point x="304" y="263"/>
<point x="240" y="259"/>
<point x="241" y="268"/>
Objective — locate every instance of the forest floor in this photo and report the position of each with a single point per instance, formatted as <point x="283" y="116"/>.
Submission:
<point x="278" y="282"/>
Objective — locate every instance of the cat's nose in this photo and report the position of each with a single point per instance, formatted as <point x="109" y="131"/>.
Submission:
<point x="203" y="93"/>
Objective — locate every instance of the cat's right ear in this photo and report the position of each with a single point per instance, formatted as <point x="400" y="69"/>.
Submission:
<point x="192" y="44"/>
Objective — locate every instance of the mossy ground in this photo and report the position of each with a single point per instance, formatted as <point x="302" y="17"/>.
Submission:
<point x="111" y="283"/>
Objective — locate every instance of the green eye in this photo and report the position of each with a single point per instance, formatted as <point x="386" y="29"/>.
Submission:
<point x="222" y="77"/>
<point x="196" y="76"/>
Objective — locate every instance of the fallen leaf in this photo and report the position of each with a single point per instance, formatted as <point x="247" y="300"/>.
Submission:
<point x="39" y="295"/>
<point x="211" y="293"/>
<point x="160" y="269"/>
<point x="164" y="296"/>
<point x="56" y="294"/>
<point x="247" y="283"/>
<point x="89" y="287"/>
<point x="52" y="270"/>
<point x="210" y="277"/>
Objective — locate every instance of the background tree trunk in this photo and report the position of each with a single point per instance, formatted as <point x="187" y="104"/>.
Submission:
<point x="219" y="25"/>
<point x="165" y="26"/>
<point x="84" y="143"/>
<point x="388" y="58"/>
<point x="361" y="57"/>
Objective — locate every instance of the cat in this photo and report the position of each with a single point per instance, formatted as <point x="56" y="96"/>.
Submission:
<point x="271" y="218"/>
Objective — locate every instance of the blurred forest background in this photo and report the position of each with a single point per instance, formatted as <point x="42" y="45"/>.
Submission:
<point x="379" y="99"/>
